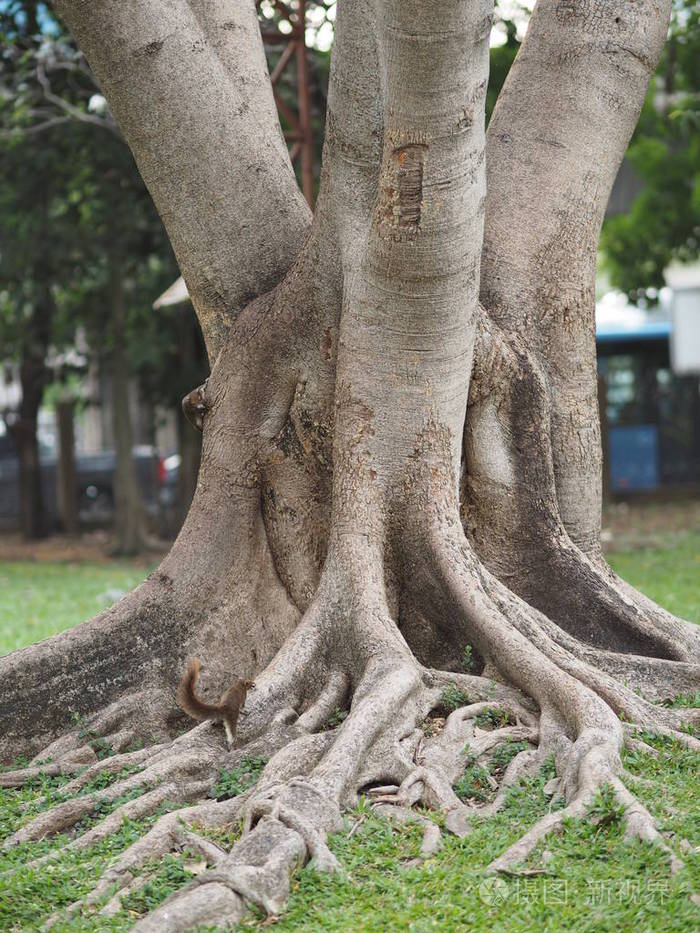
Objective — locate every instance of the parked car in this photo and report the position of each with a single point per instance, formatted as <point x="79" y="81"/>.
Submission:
<point x="94" y="483"/>
<point x="170" y="482"/>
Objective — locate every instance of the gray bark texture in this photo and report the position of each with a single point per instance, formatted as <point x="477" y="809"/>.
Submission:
<point x="400" y="448"/>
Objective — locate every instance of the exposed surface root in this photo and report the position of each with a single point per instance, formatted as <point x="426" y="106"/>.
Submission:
<point x="432" y="837"/>
<point x="25" y="775"/>
<point x="340" y="721"/>
<point x="513" y="517"/>
<point x="172" y="831"/>
<point x="441" y="759"/>
<point x="519" y="851"/>
<point x="285" y="828"/>
<point x="631" y="729"/>
<point x="181" y="771"/>
<point x="298" y="800"/>
<point x="106" y="766"/>
<point x="637" y="745"/>
<point x="525" y="764"/>
<point x="137" y="809"/>
<point x="112" y="731"/>
<point x="113" y="765"/>
<point x="641" y="824"/>
<point x="579" y="703"/>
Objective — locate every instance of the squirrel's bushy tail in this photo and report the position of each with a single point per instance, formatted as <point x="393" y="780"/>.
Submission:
<point x="188" y="699"/>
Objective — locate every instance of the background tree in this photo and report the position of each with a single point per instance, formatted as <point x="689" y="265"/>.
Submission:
<point x="40" y="203"/>
<point x="82" y="245"/>
<point x="663" y="222"/>
<point x="126" y="261"/>
<point x="501" y="58"/>
<point x="401" y="454"/>
<point x="169" y="357"/>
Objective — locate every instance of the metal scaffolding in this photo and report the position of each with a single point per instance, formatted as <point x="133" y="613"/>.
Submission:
<point x="298" y="120"/>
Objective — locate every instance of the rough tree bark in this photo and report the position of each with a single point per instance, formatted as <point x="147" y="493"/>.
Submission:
<point x="400" y="449"/>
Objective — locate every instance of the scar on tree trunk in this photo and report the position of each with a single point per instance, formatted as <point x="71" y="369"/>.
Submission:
<point x="383" y="481"/>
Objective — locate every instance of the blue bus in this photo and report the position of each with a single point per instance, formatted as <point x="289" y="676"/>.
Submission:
<point x="650" y="417"/>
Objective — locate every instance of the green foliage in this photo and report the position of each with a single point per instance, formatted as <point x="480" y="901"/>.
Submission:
<point x="596" y="879"/>
<point x="505" y="753"/>
<point x="663" y="223"/>
<point x="168" y="875"/>
<point x="668" y="575"/>
<point x="337" y="717"/>
<point x="686" y="700"/>
<point x="493" y="719"/>
<point x="501" y="58"/>
<point x="477" y="780"/>
<point x="29" y="896"/>
<point x="105" y="779"/>
<point x="605" y="808"/>
<point x="452" y="698"/>
<point x="474" y="783"/>
<point x="82" y="248"/>
<point x="235" y="782"/>
<point x="96" y="742"/>
<point x="468" y="662"/>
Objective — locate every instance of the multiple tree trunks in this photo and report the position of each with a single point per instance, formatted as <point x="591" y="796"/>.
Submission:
<point x="400" y="455"/>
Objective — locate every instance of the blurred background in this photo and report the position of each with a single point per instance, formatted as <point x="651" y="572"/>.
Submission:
<point x="99" y="343"/>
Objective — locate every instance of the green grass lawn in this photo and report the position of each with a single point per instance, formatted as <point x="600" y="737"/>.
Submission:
<point x="670" y="575"/>
<point x="40" y="599"/>
<point x="594" y="879"/>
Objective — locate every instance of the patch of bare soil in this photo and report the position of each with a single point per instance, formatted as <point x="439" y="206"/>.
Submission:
<point x="631" y="525"/>
<point x="92" y="547"/>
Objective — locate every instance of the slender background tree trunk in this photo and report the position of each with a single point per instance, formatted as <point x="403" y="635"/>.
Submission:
<point x="66" y="478"/>
<point x="190" y="447"/>
<point x="129" y="513"/>
<point x="34" y="377"/>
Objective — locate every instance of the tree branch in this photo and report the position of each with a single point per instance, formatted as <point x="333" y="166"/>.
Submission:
<point x="188" y="86"/>
<point x="416" y="293"/>
<point x="75" y="113"/>
<point x="554" y="145"/>
<point x="354" y="129"/>
<point x="35" y="128"/>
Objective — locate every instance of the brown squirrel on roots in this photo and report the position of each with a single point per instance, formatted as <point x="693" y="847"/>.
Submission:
<point x="226" y="710"/>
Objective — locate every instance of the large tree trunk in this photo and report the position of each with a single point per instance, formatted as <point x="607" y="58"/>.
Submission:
<point x="391" y="470"/>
